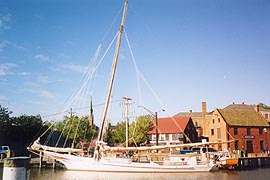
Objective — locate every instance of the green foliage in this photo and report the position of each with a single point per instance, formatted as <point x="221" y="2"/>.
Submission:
<point x="137" y="131"/>
<point x="18" y="132"/>
<point x="139" y="128"/>
<point x="108" y="137"/>
<point x="119" y="133"/>
<point x="29" y="125"/>
<point x="4" y="113"/>
<point x="15" y="127"/>
<point x="264" y="106"/>
<point x="76" y="128"/>
<point x="4" y="120"/>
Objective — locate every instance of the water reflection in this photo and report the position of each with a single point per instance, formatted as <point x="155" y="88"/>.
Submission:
<point x="50" y="174"/>
<point x="80" y="175"/>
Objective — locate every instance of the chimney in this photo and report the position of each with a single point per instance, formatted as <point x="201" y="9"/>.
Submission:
<point x="243" y="102"/>
<point x="257" y="107"/>
<point x="190" y="111"/>
<point x="203" y="110"/>
<point x="203" y="122"/>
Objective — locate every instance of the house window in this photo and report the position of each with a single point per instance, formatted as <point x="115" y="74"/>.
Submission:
<point x="248" y="131"/>
<point x="149" y="137"/>
<point x="266" y="116"/>
<point x="167" y="137"/>
<point x="260" y="131"/>
<point x="218" y="120"/>
<point x="173" y="137"/>
<point x="235" y="131"/>
<point x="162" y="137"/>
<point x="213" y="120"/>
<point x="218" y="133"/>
<point x="236" y="145"/>
<point x="196" y="124"/>
<point x="181" y="137"/>
<point x="212" y="132"/>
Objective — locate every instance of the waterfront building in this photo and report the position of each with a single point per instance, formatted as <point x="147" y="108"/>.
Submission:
<point x="200" y="120"/>
<point x="173" y="130"/>
<point x="241" y="123"/>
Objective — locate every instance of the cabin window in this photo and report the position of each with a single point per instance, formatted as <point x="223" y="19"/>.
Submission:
<point x="235" y="131"/>
<point x="248" y="131"/>
<point x="212" y="132"/>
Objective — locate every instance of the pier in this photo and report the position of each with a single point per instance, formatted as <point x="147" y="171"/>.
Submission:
<point x="253" y="163"/>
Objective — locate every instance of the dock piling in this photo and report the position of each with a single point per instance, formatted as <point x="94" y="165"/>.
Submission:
<point x="16" y="168"/>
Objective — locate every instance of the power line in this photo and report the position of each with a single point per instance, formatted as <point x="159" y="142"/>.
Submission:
<point x="86" y="107"/>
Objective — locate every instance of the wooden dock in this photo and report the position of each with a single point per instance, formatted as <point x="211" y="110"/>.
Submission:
<point x="253" y="163"/>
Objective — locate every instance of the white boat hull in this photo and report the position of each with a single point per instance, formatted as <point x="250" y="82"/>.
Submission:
<point x="109" y="164"/>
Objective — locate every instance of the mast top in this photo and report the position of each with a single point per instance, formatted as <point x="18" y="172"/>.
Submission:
<point x="112" y="74"/>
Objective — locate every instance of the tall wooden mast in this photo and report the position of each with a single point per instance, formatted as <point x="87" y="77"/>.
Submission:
<point x="113" y="73"/>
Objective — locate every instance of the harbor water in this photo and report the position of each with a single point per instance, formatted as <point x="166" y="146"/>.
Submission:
<point x="59" y="174"/>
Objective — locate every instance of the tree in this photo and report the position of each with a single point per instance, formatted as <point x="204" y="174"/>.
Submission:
<point x="76" y="129"/>
<point x="4" y="120"/>
<point x="119" y="133"/>
<point x="137" y="131"/>
<point x="264" y="106"/>
<point x="18" y="132"/>
<point x="28" y="125"/>
<point x="4" y="114"/>
<point x="108" y="137"/>
<point x="139" y="128"/>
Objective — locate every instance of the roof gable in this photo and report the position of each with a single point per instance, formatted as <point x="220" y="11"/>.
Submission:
<point x="242" y="117"/>
<point x="171" y="125"/>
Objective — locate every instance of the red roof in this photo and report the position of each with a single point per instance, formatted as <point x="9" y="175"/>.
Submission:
<point x="171" y="125"/>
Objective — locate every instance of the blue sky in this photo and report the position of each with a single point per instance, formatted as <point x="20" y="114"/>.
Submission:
<point x="188" y="50"/>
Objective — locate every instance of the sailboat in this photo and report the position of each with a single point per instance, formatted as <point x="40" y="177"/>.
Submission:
<point x="106" y="160"/>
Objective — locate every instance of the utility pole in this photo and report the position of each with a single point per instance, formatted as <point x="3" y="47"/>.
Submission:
<point x="127" y="103"/>
<point x="71" y="119"/>
<point x="156" y="128"/>
<point x="91" y="116"/>
<point x="155" y="116"/>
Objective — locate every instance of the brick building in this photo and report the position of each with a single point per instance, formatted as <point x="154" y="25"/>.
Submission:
<point x="241" y="123"/>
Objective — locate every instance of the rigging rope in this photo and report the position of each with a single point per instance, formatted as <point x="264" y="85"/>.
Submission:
<point x="140" y="75"/>
<point x="75" y="99"/>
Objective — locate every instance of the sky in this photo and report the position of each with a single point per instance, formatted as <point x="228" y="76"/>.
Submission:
<point x="187" y="51"/>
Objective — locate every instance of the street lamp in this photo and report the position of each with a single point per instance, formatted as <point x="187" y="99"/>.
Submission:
<point x="154" y="114"/>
